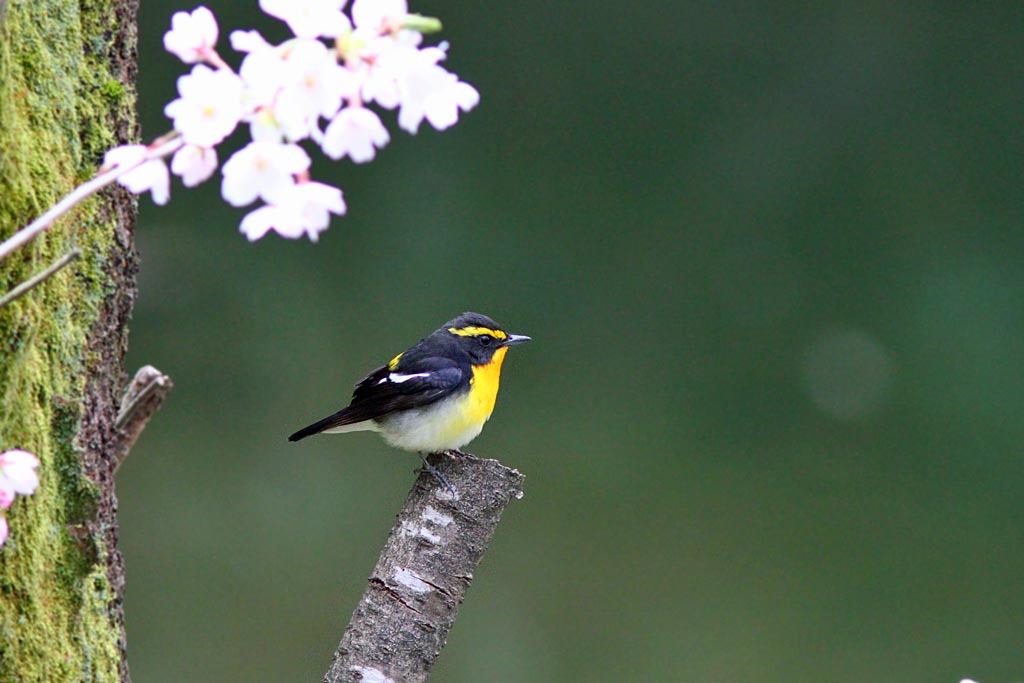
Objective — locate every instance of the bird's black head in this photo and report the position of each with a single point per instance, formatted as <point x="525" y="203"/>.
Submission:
<point x="480" y="336"/>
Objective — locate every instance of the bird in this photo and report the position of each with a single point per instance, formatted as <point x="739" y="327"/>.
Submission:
<point x="433" y="397"/>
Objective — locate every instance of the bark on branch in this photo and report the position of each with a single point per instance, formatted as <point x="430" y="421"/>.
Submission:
<point x="143" y="397"/>
<point x="403" y="619"/>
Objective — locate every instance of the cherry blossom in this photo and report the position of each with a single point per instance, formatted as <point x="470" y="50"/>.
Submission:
<point x="17" y="475"/>
<point x="355" y="132"/>
<point x="302" y="210"/>
<point x="315" y="87"/>
<point x="427" y="90"/>
<point x="262" y="169"/>
<point x="210" y="105"/>
<point x="304" y="88"/>
<point x="19" y="468"/>
<point x="390" y="57"/>
<point x="146" y="174"/>
<point x="264" y="73"/>
<point x="194" y="164"/>
<point x="192" y="36"/>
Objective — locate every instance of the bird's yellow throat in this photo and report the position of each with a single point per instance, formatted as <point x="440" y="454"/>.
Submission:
<point x="483" y="390"/>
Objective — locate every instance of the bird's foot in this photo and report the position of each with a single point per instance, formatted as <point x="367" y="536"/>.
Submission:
<point x="460" y="453"/>
<point x="433" y="471"/>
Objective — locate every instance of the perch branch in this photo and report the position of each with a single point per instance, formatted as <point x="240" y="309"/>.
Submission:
<point x="143" y="397"/>
<point x="402" y="621"/>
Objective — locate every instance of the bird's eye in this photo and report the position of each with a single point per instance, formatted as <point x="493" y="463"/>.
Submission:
<point x="485" y="339"/>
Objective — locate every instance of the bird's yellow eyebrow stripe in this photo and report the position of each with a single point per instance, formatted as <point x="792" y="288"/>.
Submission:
<point x="475" y="331"/>
<point x="393" y="363"/>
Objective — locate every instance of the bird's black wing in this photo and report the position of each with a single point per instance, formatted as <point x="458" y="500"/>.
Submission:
<point x="385" y="391"/>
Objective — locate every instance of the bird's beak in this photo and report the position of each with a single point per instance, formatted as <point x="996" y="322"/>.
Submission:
<point x="516" y="339"/>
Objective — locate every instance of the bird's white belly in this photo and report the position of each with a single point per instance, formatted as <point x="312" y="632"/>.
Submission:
<point x="448" y="424"/>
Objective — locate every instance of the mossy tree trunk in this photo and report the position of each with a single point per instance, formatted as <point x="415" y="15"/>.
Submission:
<point x="67" y="72"/>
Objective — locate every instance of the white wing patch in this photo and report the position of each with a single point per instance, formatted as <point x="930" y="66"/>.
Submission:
<point x="398" y="377"/>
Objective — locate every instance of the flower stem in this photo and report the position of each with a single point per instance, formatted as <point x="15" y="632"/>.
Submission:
<point x="162" y="147"/>
<point x="39" y="278"/>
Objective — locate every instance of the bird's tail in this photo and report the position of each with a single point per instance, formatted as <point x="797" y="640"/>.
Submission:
<point x="338" y="423"/>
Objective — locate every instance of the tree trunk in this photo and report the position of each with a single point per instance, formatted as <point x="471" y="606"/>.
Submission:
<point x="67" y="74"/>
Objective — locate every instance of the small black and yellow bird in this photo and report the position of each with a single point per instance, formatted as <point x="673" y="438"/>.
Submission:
<point x="434" y="397"/>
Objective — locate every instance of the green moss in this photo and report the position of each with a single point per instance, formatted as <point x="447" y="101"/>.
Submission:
<point x="113" y="91"/>
<point x="58" y="102"/>
<point x="100" y="655"/>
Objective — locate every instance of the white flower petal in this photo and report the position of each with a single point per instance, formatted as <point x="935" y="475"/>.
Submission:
<point x="125" y="155"/>
<point x="191" y="34"/>
<point x="429" y="91"/>
<point x="263" y="127"/>
<point x="465" y="95"/>
<point x="152" y="177"/>
<point x="238" y="190"/>
<point x="370" y="14"/>
<point x="309" y="18"/>
<point x="194" y="164"/>
<point x="410" y="116"/>
<point x="7" y="492"/>
<point x="258" y="223"/>
<point x="314" y="85"/>
<point x="261" y="169"/>
<point x="19" y="469"/>
<point x="264" y="73"/>
<point x="303" y="209"/>
<point x="391" y="58"/>
<point x="248" y="41"/>
<point x="355" y="132"/>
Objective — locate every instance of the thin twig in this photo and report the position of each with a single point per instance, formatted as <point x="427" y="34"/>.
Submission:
<point x="161" y="148"/>
<point x="402" y="621"/>
<point x="39" y="278"/>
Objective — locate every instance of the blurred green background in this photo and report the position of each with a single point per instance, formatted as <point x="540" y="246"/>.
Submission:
<point x="773" y="260"/>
